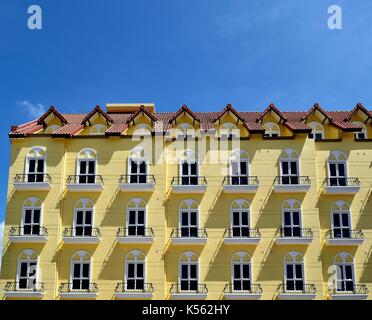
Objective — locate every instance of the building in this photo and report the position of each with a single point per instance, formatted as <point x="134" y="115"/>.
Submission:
<point x="129" y="203"/>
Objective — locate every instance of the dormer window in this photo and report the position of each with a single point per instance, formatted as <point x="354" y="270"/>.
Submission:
<point x="35" y="165"/>
<point x="317" y="132"/>
<point x="362" y="134"/>
<point x="271" y="130"/>
<point x="98" y="129"/>
<point x="51" y="129"/>
<point x="185" y="130"/>
<point x="228" y="131"/>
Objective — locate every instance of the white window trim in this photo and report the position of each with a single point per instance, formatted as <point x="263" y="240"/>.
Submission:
<point x="28" y="158"/>
<point x="86" y="200"/>
<point x="79" y="160"/>
<point x="343" y="255"/>
<point x="137" y="208"/>
<point x="28" y="252"/>
<point x="24" y="208"/>
<point x="292" y="209"/>
<point x="314" y="131"/>
<point x="189" y="209"/>
<point x="246" y="160"/>
<point x="241" y="262"/>
<point x="240" y="210"/>
<point x="189" y="261"/>
<point x="348" y="211"/>
<point x="337" y="161"/>
<point x="81" y="253"/>
<point x="294" y="255"/>
<point x="135" y="253"/>
<point x="270" y="131"/>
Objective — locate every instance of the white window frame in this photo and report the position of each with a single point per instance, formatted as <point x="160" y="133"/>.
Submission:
<point x="270" y="129"/>
<point x="186" y="159"/>
<point x="337" y="155"/>
<point x="188" y="210"/>
<point x="340" y="211"/>
<point x="241" y="263"/>
<point x="79" y="160"/>
<point x="28" y="253"/>
<point x="137" y="157"/>
<point x="364" y="131"/>
<point x="342" y="265"/>
<point x="99" y="127"/>
<point x="292" y="209"/>
<point x="29" y="158"/>
<point x="81" y="261"/>
<point x="33" y="200"/>
<point x="137" y="208"/>
<point x="315" y="131"/>
<point x="290" y="152"/>
<point x="136" y="261"/>
<point x="189" y="262"/>
<point x="240" y="156"/>
<point x="240" y="210"/>
<point x="84" y="201"/>
<point x="294" y="255"/>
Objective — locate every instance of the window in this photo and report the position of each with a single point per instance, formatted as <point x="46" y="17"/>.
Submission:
<point x="240" y="218"/>
<point x="239" y="164"/>
<point x="317" y="131"/>
<point x="289" y="167"/>
<point x="80" y="271"/>
<point x="291" y="218"/>
<point x="135" y="271"/>
<point x="137" y="165"/>
<point x="344" y="265"/>
<point x="228" y="131"/>
<point x="362" y="134"/>
<point x="271" y="130"/>
<point x="98" y="129"/>
<point x="83" y="221"/>
<point x="27" y="270"/>
<point x="51" y="129"/>
<point x="189" y="212"/>
<point x="337" y="169"/>
<point x="35" y="165"/>
<point x="87" y="166"/>
<point x="189" y="272"/>
<point x="136" y="213"/>
<point x="341" y="222"/>
<point x="142" y="129"/>
<point x="241" y="271"/>
<point x="189" y="169"/>
<point x="31" y="217"/>
<point x="185" y="130"/>
<point x="294" y="272"/>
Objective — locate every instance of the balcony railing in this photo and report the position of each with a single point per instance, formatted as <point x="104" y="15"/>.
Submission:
<point x="137" y="178"/>
<point x="294" y="232"/>
<point x="16" y="287"/>
<point x="251" y="288"/>
<point x="192" y="289"/>
<point x="292" y="180"/>
<point x="135" y="231"/>
<point x="342" y="182"/>
<point x="32" y="178"/>
<point x="344" y="234"/>
<point x="84" y="179"/>
<point x="28" y="231"/>
<point x="67" y="288"/>
<point x="122" y="287"/>
<point x="301" y="289"/>
<point x="81" y="232"/>
<point x="189" y="181"/>
<point x="189" y="233"/>
<point x="241" y="181"/>
<point x="242" y="232"/>
<point x="357" y="289"/>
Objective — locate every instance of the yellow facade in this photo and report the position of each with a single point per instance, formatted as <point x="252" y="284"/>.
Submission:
<point x="162" y="256"/>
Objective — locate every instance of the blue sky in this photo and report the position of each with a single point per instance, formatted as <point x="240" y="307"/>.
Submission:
<point x="205" y="53"/>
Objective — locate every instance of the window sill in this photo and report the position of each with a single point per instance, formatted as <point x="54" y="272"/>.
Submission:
<point x="135" y="187"/>
<point x="240" y="188"/>
<point x="28" y="239"/>
<point x="32" y="186"/>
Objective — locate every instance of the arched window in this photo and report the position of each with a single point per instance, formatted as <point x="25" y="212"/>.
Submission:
<point x="291" y="220"/>
<point x="137" y="165"/>
<point x="52" y="128"/>
<point x="345" y="274"/>
<point x="271" y="130"/>
<point x="341" y="220"/>
<point x="27" y="273"/>
<point x="142" y="129"/>
<point x="241" y="271"/>
<point x="98" y="129"/>
<point x="239" y="167"/>
<point x="294" y="275"/>
<point x="135" y="270"/>
<point x="188" y="272"/>
<point x="185" y="130"/>
<point x="189" y="168"/>
<point x="31" y="217"/>
<point x="136" y="217"/>
<point x="240" y="218"/>
<point x="362" y="134"/>
<point x="337" y="169"/>
<point x="83" y="218"/>
<point x="189" y="218"/>
<point x="81" y="270"/>
<point x="289" y="167"/>
<point x="228" y="130"/>
<point x="317" y="131"/>
<point x="86" y="168"/>
<point x="35" y="164"/>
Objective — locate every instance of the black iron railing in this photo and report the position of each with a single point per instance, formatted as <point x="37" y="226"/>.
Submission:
<point x="342" y="182"/>
<point x="33" y="230"/>
<point x="189" y="181"/>
<point x="135" y="231"/>
<point x="349" y="289"/>
<point x="292" y="180"/>
<point x="84" y="179"/>
<point x="82" y="232"/>
<point x="189" y="232"/>
<point x="344" y="234"/>
<point x="294" y="232"/>
<point x="123" y="287"/>
<point x="242" y="232"/>
<point x="20" y="286"/>
<point x="188" y="288"/>
<point x="245" y="287"/>
<point x="241" y="181"/>
<point x="32" y="178"/>
<point x="68" y="288"/>
<point x="137" y="178"/>
<point x="296" y="288"/>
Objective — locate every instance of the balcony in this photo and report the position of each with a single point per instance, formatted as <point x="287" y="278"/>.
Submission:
<point x="344" y="237"/>
<point x="24" y="290"/>
<point x="199" y="293"/>
<point x="240" y="184"/>
<point x="135" y="235"/>
<point x="83" y="235"/>
<point x="32" y="182"/>
<point x="34" y="234"/>
<point x="123" y="292"/>
<point x="84" y="183"/>
<point x="292" y="184"/>
<point x="357" y="292"/>
<point x="293" y="236"/>
<point x="189" y="236"/>
<point x="302" y="292"/>
<point x="189" y="184"/>
<point x="137" y="183"/>
<point x="341" y="186"/>
<point x="252" y="292"/>
<point x="66" y="291"/>
<point x="242" y="236"/>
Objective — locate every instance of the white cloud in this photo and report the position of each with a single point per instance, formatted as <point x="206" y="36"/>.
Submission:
<point x="1" y="240"/>
<point x="35" y="110"/>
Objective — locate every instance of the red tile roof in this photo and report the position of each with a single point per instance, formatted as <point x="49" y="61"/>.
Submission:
<point x="184" y="109"/>
<point x="97" y="109"/>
